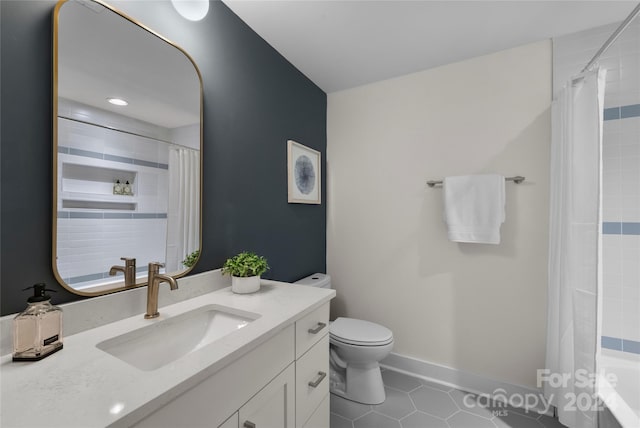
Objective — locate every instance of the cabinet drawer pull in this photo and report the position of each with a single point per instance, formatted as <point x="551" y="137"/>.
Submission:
<point x="316" y="330"/>
<point x="248" y="424"/>
<point x="315" y="383"/>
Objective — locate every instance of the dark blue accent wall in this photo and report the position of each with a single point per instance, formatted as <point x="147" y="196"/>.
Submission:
<point x="254" y="101"/>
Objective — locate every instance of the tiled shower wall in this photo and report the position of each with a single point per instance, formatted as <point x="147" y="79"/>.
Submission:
<point x="90" y="240"/>
<point x="621" y="174"/>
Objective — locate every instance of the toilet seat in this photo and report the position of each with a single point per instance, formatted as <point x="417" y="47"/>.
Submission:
<point x="357" y="332"/>
<point x="360" y="343"/>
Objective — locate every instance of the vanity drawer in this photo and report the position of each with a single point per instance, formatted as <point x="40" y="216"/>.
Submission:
<point x="321" y="418"/>
<point x="312" y="380"/>
<point x="311" y="328"/>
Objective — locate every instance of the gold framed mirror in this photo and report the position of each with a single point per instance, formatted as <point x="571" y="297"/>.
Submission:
<point x="127" y="142"/>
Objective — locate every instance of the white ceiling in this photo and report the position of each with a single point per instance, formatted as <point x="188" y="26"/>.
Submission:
<point x="340" y="44"/>
<point x="101" y="55"/>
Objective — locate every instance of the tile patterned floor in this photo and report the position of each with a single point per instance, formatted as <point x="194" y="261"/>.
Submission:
<point x="415" y="403"/>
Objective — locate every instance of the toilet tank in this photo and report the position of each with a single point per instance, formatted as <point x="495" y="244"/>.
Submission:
<point x="321" y="280"/>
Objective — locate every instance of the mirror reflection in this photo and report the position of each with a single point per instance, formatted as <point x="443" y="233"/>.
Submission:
<point x="127" y="141"/>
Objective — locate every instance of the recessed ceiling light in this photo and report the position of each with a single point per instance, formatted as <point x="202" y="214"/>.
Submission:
<point x="193" y="10"/>
<point x="118" y="101"/>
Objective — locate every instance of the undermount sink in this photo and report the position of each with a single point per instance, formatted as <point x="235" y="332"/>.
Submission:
<point x="151" y="347"/>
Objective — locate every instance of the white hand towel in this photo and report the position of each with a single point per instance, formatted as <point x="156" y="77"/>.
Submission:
<point x="474" y="207"/>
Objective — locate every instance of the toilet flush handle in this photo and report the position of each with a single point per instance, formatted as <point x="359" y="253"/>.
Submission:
<point x="316" y="330"/>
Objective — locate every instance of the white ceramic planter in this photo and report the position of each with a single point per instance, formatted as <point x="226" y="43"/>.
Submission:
<point x="246" y="285"/>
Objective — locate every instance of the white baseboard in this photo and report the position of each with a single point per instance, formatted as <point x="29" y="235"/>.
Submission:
<point x="459" y="379"/>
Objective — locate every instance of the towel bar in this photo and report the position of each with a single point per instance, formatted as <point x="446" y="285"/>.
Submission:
<point x="517" y="179"/>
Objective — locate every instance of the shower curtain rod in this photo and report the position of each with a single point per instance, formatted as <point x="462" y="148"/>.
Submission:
<point x="634" y="13"/>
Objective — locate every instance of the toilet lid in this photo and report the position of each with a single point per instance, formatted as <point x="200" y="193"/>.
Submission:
<point x="359" y="332"/>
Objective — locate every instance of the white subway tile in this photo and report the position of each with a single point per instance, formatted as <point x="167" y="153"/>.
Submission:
<point x="630" y="129"/>
<point x="630" y="243"/>
<point x="610" y="152"/>
<point x="632" y="294"/>
<point x="611" y="308"/>
<point x="631" y="321"/>
<point x="611" y="290"/>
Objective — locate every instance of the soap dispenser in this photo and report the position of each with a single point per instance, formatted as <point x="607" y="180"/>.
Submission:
<point x="126" y="190"/>
<point x="117" y="188"/>
<point x="37" y="331"/>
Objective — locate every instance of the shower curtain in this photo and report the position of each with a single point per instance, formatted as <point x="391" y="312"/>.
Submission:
<point x="574" y="249"/>
<point x="183" y="211"/>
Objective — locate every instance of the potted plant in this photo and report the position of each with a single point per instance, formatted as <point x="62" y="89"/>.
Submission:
<point x="245" y="270"/>
<point x="191" y="259"/>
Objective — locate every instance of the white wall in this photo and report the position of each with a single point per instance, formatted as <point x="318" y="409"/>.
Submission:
<point x="473" y="307"/>
<point x="188" y="136"/>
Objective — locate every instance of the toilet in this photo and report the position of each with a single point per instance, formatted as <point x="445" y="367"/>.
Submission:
<point x="356" y="348"/>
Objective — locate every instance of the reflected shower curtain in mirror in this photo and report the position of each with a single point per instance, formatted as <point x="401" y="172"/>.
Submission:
<point x="574" y="247"/>
<point x="183" y="222"/>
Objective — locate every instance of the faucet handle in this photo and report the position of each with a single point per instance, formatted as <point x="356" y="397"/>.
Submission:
<point x="154" y="267"/>
<point x="129" y="260"/>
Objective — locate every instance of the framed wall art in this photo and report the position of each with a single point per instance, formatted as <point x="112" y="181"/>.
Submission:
<point x="304" y="172"/>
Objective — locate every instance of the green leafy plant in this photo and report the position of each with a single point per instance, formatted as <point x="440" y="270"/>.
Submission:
<point x="191" y="259"/>
<point x="245" y="264"/>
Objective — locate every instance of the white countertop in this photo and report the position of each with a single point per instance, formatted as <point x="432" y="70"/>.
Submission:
<point x="83" y="386"/>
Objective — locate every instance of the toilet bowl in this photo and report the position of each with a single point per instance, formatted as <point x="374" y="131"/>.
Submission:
<point x="356" y="348"/>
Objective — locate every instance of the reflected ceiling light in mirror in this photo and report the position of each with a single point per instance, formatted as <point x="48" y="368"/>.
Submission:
<point x="193" y="10"/>
<point x="116" y="408"/>
<point x="118" y="101"/>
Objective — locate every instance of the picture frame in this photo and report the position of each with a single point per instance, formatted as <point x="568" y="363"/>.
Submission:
<point x="304" y="172"/>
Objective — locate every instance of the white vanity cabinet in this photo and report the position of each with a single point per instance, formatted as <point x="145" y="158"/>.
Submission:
<point x="232" y="422"/>
<point x="312" y="368"/>
<point x="211" y="402"/>
<point x="274" y="405"/>
<point x="321" y="417"/>
<point x="282" y="383"/>
<point x="309" y="382"/>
